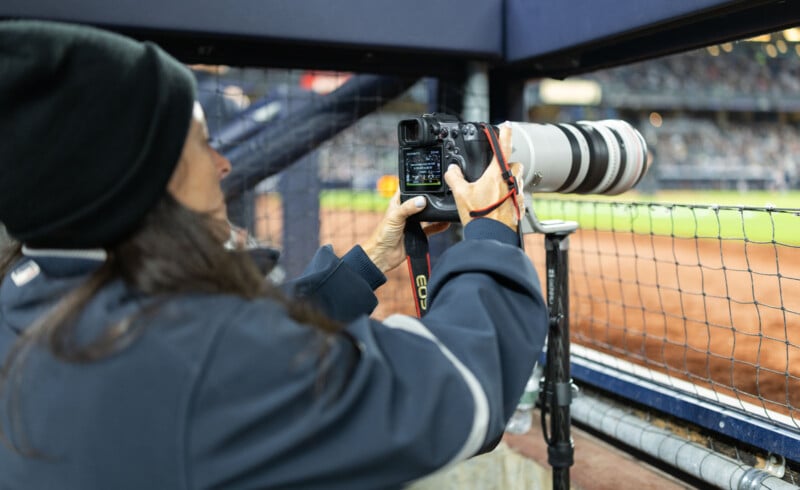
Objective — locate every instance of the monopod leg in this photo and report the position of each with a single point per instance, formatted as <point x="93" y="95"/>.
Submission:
<point x="557" y="393"/>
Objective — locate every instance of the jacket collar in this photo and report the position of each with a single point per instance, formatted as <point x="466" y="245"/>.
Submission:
<point x="89" y="254"/>
<point x="63" y="262"/>
<point x="40" y="279"/>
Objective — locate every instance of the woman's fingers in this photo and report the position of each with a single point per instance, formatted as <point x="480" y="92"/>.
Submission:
<point x="434" y="228"/>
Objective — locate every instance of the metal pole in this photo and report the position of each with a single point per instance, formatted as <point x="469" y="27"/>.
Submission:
<point x="703" y="463"/>
<point x="300" y="187"/>
<point x="557" y="390"/>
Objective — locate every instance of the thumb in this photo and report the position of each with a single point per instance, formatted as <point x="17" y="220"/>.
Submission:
<point x="454" y="176"/>
<point x="412" y="206"/>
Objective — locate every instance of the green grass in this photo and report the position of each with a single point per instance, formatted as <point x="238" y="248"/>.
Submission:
<point x="727" y="198"/>
<point x="675" y="213"/>
<point x="353" y="200"/>
<point x="756" y="216"/>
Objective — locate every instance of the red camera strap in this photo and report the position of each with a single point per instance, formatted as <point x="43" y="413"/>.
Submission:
<point x="507" y="176"/>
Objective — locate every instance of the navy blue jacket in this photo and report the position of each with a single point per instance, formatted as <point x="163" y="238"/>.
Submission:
<point x="221" y="392"/>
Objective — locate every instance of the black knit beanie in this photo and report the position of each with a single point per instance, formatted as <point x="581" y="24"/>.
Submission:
<point x="92" y="125"/>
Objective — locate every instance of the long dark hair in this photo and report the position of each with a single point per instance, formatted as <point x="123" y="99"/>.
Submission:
<point x="175" y="251"/>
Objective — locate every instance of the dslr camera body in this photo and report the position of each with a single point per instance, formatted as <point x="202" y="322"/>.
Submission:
<point x="428" y="145"/>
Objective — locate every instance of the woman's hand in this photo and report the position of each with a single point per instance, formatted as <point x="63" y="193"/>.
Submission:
<point x="489" y="189"/>
<point x="385" y="247"/>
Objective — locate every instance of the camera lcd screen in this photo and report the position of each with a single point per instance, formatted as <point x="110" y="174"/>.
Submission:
<point x="423" y="168"/>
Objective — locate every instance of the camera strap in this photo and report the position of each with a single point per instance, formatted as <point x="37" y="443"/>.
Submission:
<point x="416" y="242"/>
<point x="507" y="176"/>
<point x="419" y="263"/>
<point x="513" y="187"/>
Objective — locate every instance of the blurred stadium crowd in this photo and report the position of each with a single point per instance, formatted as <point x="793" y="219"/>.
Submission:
<point x="724" y="116"/>
<point x="748" y="68"/>
<point x="700" y="153"/>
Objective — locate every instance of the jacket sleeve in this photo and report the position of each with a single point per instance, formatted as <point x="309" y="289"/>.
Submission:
<point x="341" y="288"/>
<point x="381" y="404"/>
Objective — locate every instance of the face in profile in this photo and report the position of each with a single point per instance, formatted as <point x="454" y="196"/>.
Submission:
<point x="196" y="180"/>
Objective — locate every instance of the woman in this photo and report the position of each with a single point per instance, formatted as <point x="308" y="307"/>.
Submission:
<point x="139" y="353"/>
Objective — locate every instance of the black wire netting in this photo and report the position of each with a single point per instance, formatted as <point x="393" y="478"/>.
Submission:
<point x="702" y="293"/>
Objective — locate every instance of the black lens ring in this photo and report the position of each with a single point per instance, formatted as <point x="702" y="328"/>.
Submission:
<point x="576" y="158"/>
<point x="598" y="158"/>
<point x="622" y="159"/>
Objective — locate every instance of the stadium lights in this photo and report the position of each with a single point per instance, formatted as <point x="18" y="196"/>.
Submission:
<point x="570" y="92"/>
<point x="792" y="35"/>
<point x="656" y="120"/>
<point x="764" y="38"/>
<point x="772" y="51"/>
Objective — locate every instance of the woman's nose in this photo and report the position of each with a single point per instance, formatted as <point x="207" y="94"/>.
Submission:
<point x="223" y="165"/>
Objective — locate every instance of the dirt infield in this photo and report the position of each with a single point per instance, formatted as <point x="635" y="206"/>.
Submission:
<point x="722" y="314"/>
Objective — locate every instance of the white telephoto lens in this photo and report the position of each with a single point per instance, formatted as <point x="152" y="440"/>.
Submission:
<point x="588" y="157"/>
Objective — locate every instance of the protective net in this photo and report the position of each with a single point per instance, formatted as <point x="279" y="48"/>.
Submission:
<point x="704" y="293"/>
